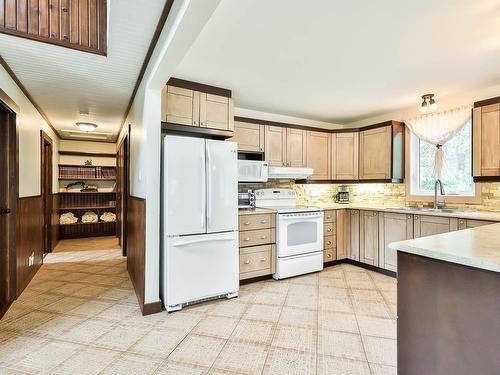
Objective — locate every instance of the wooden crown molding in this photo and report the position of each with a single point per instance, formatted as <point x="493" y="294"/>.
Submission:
<point x="159" y="27"/>
<point x="28" y="95"/>
<point x="196" y="86"/>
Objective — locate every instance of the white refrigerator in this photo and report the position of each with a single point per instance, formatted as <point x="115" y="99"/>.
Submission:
<point x="200" y="259"/>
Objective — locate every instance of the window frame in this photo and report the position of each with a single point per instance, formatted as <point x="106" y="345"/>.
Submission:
<point x="411" y="179"/>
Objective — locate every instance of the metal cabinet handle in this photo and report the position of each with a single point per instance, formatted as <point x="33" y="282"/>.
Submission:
<point x="5" y="211"/>
<point x="247" y="262"/>
<point x="247" y="239"/>
<point x="416" y="217"/>
<point x="263" y="259"/>
<point x="409" y="216"/>
<point x="329" y="242"/>
<point x="263" y="237"/>
<point x="329" y="230"/>
<point x="328" y="217"/>
<point x="328" y="255"/>
<point x="263" y="221"/>
<point x="196" y="122"/>
<point x="246" y="223"/>
<point x="461" y="221"/>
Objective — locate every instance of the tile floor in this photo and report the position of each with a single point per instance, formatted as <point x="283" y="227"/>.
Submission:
<point x="79" y="315"/>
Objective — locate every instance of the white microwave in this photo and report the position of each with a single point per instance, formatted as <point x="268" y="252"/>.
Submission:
<point x="252" y="171"/>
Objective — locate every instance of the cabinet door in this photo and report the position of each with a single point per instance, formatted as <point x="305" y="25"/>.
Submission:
<point x="319" y="154"/>
<point x="469" y="223"/>
<point x="429" y="225"/>
<point x="375" y="153"/>
<point x="392" y="227"/>
<point x="180" y="106"/>
<point x="345" y="150"/>
<point x="275" y="139"/>
<point x="250" y="137"/>
<point x="353" y="234"/>
<point x="342" y="233"/>
<point x="489" y="134"/>
<point x="295" y="147"/>
<point x="216" y="112"/>
<point x="368" y="238"/>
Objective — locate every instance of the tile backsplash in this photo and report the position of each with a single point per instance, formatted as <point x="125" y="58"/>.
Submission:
<point x="376" y="194"/>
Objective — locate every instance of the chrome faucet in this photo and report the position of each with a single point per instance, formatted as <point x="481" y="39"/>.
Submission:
<point x="441" y="188"/>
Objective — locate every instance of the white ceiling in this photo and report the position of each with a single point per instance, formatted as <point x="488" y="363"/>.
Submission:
<point x="341" y="61"/>
<point x="64" y="82"/>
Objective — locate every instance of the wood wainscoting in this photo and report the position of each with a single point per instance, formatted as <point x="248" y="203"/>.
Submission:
<point x="136" y="251"/>
<point x="55" y="220"/>
<point x="29" y="239"/>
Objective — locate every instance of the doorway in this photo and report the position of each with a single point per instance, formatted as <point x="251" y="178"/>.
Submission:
<point x="46" y="189"/>
<point x="8" y="202"/>
<point x="122" y="190"/>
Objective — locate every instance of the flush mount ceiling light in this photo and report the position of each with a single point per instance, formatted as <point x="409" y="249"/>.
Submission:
<point x="428" y="103"/>
<point x="86" y="126"/>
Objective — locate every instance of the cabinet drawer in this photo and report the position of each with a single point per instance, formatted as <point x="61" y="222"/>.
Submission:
<point x="329" y="255"/>
<point x="329" y="229"/>
<point x="251" y="222"/>
<point x="328" y="242"/>
<point x="329" y="216"/>
<point x="256" y="237"/>
<point x="257" y="261"/>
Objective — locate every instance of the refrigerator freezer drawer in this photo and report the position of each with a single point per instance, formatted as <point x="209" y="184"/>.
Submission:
<point x="199" y="267"/>
<point x="298" y="265"/>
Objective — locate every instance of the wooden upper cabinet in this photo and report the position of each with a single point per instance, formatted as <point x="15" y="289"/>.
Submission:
<point x="275" y="138"/>
<point x="216" y="112"/>
<point x="77" y="24"/>
<point x="319" y="154"/>
<point x="345" y="148"/>
<point x="180" y="106"/>
<point x="249" y="136"/>
<point x="296" y="146"/>
<point x="486" y="141"/>
<point x="188" y="106"/>
<point x="375" y="153"/>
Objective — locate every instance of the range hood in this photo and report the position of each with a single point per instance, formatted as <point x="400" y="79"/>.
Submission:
<point x="289" y="173"/>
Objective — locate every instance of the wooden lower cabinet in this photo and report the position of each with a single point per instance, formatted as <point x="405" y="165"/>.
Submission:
<point x="257" y="245"/>
<point x="429" y="225"/>
<point x="469" y="223"/>
<point x="342" y="232"/>
<point x="368" y="238"/>
<point x="329" y="239"/>
<point x="353" y="234"/>
<point x="392" y="227"/>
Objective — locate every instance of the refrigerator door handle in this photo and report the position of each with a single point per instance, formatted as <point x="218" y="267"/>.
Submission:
<point x="209" y="186"/>
<point x="203" y="193"/>
<point x="198" y="240"/>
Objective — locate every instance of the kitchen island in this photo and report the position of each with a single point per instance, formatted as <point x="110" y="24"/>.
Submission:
<point x="449" y="303"/>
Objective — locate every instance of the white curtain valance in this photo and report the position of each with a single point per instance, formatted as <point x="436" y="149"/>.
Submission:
<point x="437" y="129"/>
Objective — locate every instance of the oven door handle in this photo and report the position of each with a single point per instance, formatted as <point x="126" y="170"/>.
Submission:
<point x="301" y="218"/>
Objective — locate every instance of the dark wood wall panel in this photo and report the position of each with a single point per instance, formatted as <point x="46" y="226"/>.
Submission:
<point x="29" y="239"/>
<point x="136" y="245"/>
<point x="79" y="24"/>
<point x="55" y="220"/>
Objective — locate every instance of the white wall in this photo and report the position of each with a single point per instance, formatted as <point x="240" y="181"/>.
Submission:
<point x="87" y="146"/>
<point x="30" y="122"/>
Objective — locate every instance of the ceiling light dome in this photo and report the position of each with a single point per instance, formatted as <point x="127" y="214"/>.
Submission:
<point x="86" y="126"/>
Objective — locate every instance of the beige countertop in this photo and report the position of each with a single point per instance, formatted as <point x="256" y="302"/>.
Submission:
<point x="476" y="247"/>
<point x="255" y="211"/>
<point x="465" y="214"/>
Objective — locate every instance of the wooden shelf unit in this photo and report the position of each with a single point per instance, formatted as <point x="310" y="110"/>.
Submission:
<point x="80" y="202"/>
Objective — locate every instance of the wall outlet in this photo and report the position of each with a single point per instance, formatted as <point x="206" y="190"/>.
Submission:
<point x="31" y="259"/>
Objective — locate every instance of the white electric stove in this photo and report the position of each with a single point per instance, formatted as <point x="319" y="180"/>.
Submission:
<point x="299" y="232"/>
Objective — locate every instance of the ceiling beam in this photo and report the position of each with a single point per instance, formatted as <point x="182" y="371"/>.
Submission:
<point x="28" y="95"/>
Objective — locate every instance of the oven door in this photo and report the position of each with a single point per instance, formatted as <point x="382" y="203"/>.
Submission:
<point x="299" y="233"/>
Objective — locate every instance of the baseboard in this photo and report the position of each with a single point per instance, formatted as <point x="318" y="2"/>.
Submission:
<point x="255" y="279"/>
<point x="151" y="308"/>
<point x="371" y="268"/>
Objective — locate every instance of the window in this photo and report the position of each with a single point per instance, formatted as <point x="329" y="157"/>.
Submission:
<point x="457" y="179"/>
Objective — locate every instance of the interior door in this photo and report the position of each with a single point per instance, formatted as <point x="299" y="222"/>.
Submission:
<point x="184" y="195"/>
<point x="222" y="186"/>
<point x="46" y="189"/>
